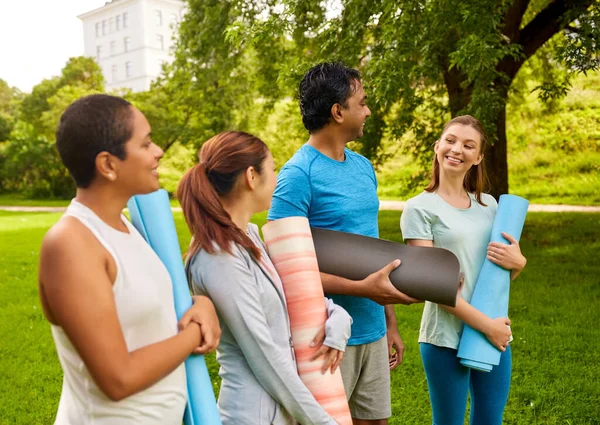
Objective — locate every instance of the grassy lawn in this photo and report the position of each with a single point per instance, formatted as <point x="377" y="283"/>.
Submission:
<point x="540" y="175"/>
<point x="16" y="199"/>
<point x="554" y="310"/>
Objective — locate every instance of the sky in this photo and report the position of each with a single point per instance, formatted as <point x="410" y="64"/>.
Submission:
<point x="37" y="37"/>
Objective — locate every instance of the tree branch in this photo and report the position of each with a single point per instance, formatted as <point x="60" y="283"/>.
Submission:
<point x="513" y="19"/>
<point x="176" y="138"/>
<point x="547" y="23"/>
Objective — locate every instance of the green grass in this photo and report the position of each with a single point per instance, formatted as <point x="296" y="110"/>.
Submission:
<point x="541" y="175"/>
<point x="17" y="199"/>
<point x="554" y="310"/>
<point x="555" y="178"/>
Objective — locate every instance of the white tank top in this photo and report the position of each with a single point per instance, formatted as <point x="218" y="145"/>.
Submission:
<point x="144" y="301"/>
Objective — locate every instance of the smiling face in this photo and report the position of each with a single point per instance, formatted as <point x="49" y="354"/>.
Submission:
<point x="356" y="111"/>
<point x="138" y="171"/>
<point x="459" y="149"/>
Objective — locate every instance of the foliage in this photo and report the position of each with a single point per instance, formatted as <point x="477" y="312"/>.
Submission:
<point x="9" y="98"/>
<point x="422" y="60"/>
<point x="282" y="130"/>
<point x="555" y="351"/>
<point x="554" y="150"/>
<point x="173" y="165"/>
<point x="29" y="162"/>
<point x="81" y="72"/>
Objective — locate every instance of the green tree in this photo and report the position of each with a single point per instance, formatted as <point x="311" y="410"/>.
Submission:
<point x="423" y="60"/>
<point x="211" y="85"/>
<point x="29" y="161"/>
<point x="174" y="108"/>
<point x="9" y="101"/>
<point x="80" y="72"/>
<point x="30" y="164"/>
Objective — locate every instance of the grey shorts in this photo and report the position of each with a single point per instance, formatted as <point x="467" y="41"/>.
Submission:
<point x="366" y="375"/>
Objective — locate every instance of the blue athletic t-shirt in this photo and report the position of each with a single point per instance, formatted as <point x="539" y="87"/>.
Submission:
<point x="336" y="195"/>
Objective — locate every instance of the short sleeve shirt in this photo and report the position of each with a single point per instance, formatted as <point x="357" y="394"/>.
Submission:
<point x="464" y="232"/>
<point x="336" y="195"/>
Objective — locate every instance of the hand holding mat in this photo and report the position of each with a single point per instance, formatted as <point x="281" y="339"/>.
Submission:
<point x="431" y="274"/>
<point x="290" y="247"/>
<point x="492" y="289"/>
<point x="151" y="215"/>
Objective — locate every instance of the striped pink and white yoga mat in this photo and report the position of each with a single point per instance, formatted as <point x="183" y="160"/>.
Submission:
<point x="291" y="249"/>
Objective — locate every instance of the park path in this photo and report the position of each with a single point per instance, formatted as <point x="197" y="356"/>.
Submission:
<point x="384" y="205"/>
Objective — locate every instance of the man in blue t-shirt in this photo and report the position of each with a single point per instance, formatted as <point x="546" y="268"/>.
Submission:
<point x="336" y="189"/>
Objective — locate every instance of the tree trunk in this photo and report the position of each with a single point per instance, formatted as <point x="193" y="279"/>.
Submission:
<point x="459" y="95"/>
<point x="496" y="159"/>
<point x="496" y="155"/>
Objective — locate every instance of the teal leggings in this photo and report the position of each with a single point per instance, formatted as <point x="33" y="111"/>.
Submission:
<point x="450" y="382"/>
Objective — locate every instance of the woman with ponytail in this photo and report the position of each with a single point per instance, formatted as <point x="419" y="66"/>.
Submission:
<point x="228" y="262"/>
<point x="455" y="214"/>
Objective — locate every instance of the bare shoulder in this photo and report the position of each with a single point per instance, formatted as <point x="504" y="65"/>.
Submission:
<point x="71" y="260"/>
<point x="69" y="249"/>
<point x="69" y="238"/>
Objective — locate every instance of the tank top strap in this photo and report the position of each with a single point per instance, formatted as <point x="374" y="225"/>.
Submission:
<point x="90" y="220"/>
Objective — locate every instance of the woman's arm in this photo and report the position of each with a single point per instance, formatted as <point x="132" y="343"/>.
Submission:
<point x="77" y="291"/>
<point x="507" y="256"/>
<point x="332" y="337"/>
<point x="235" y="293"/>
<point x="496" y="330"/>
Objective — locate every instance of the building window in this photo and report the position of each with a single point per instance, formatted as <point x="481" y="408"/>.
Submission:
<point x="97" y="29"/>
<point x="118" y="23"/>
<point x="173" y="19"/>
<point x="115" y="74"/>
<point x="111" y="25"/>
<point x="113" y="47"/>
<point x="158" y="18"/>
<point x="104" y="27"/>
<point x="160" y="42"/>
<point x="98" y="52"/>
<point x="125" y="20"/>
<point x="128" y="69"/>
<point x="126" y="44"/>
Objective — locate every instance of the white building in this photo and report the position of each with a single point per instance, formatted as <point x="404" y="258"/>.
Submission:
<point x="131" y="39"/>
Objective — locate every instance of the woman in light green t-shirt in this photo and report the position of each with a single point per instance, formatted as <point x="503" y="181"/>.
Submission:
<point x="453" y="213"/>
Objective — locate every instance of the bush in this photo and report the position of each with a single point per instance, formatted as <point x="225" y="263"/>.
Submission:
<point x="30" y="164"/>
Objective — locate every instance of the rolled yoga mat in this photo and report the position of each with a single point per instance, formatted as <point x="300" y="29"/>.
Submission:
<point x="492" y="288"/>
<point x="151" y="215"/>
<point x="431" y="274"/>
<point x="291" y="249"/>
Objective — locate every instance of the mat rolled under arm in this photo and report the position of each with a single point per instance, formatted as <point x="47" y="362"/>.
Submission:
<point x="151" y="215"/>
<point x="492" y="289"/>
<point x="431" y="274"/>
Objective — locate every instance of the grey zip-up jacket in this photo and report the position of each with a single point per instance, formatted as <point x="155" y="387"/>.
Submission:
<point x="260" y="383"/>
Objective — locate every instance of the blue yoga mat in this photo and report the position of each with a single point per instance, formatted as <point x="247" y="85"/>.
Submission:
<point x="151" y="215"/>
<point x="492" y="288"/>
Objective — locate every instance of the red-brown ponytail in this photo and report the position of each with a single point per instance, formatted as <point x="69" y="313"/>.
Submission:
<point x="222" y="159"/>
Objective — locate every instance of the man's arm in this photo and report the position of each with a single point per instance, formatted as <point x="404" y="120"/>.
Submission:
<point x="376" y="286"/>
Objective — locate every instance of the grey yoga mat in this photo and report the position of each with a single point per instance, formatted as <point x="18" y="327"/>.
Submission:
<point x="431" y="274"/>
